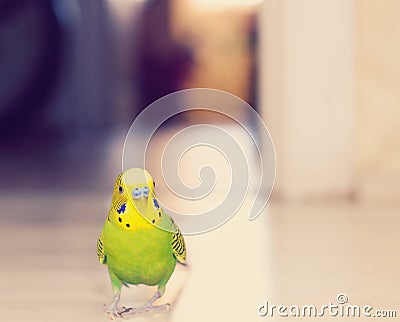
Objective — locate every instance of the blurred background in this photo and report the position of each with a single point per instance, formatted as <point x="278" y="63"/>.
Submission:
<point x="325" y="77"/>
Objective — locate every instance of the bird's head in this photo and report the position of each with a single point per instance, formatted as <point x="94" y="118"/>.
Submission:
<point x="135" y="185"/>
<point x="138" y="183"/>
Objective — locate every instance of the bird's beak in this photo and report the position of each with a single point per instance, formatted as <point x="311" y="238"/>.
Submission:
<point x="141" y="204"/>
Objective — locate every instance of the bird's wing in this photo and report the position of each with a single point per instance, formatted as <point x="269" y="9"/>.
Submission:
<point x="159" y="218"/>
<point x="100" y="250"/>
<point x="178" y="246"/>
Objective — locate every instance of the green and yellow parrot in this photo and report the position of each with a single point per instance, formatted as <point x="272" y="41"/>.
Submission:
<point x="139" y="243"/>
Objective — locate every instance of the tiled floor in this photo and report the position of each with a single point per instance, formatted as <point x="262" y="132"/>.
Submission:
<point x="290" y="255"/>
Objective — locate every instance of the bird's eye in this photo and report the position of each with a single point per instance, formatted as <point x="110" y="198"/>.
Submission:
<point x="120" y="189"/>
<point x="136" y="193"/>
<point x="145" y="191"/>
<point x="154" y="184"/>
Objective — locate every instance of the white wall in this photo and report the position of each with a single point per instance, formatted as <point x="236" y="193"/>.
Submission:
<point x="378" y="92"/>
<point x="307" y="88"/>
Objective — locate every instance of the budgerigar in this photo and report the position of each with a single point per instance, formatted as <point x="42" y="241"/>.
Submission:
<point x="132" y="244"/>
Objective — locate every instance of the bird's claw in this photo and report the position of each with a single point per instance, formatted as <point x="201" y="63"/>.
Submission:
<point x="123" y="312"/>
<point x="127" y="312"/>
<point x="113" y="312"/>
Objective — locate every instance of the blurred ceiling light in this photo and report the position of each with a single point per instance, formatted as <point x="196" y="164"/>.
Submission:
<point x="126" y="1"/>
<point x="124" y="11"/>
<point x="223" y="4"/>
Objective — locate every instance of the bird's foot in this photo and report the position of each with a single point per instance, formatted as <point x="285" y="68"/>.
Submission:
<point x="113" y="312"/>
<point x="146" y="308"/>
